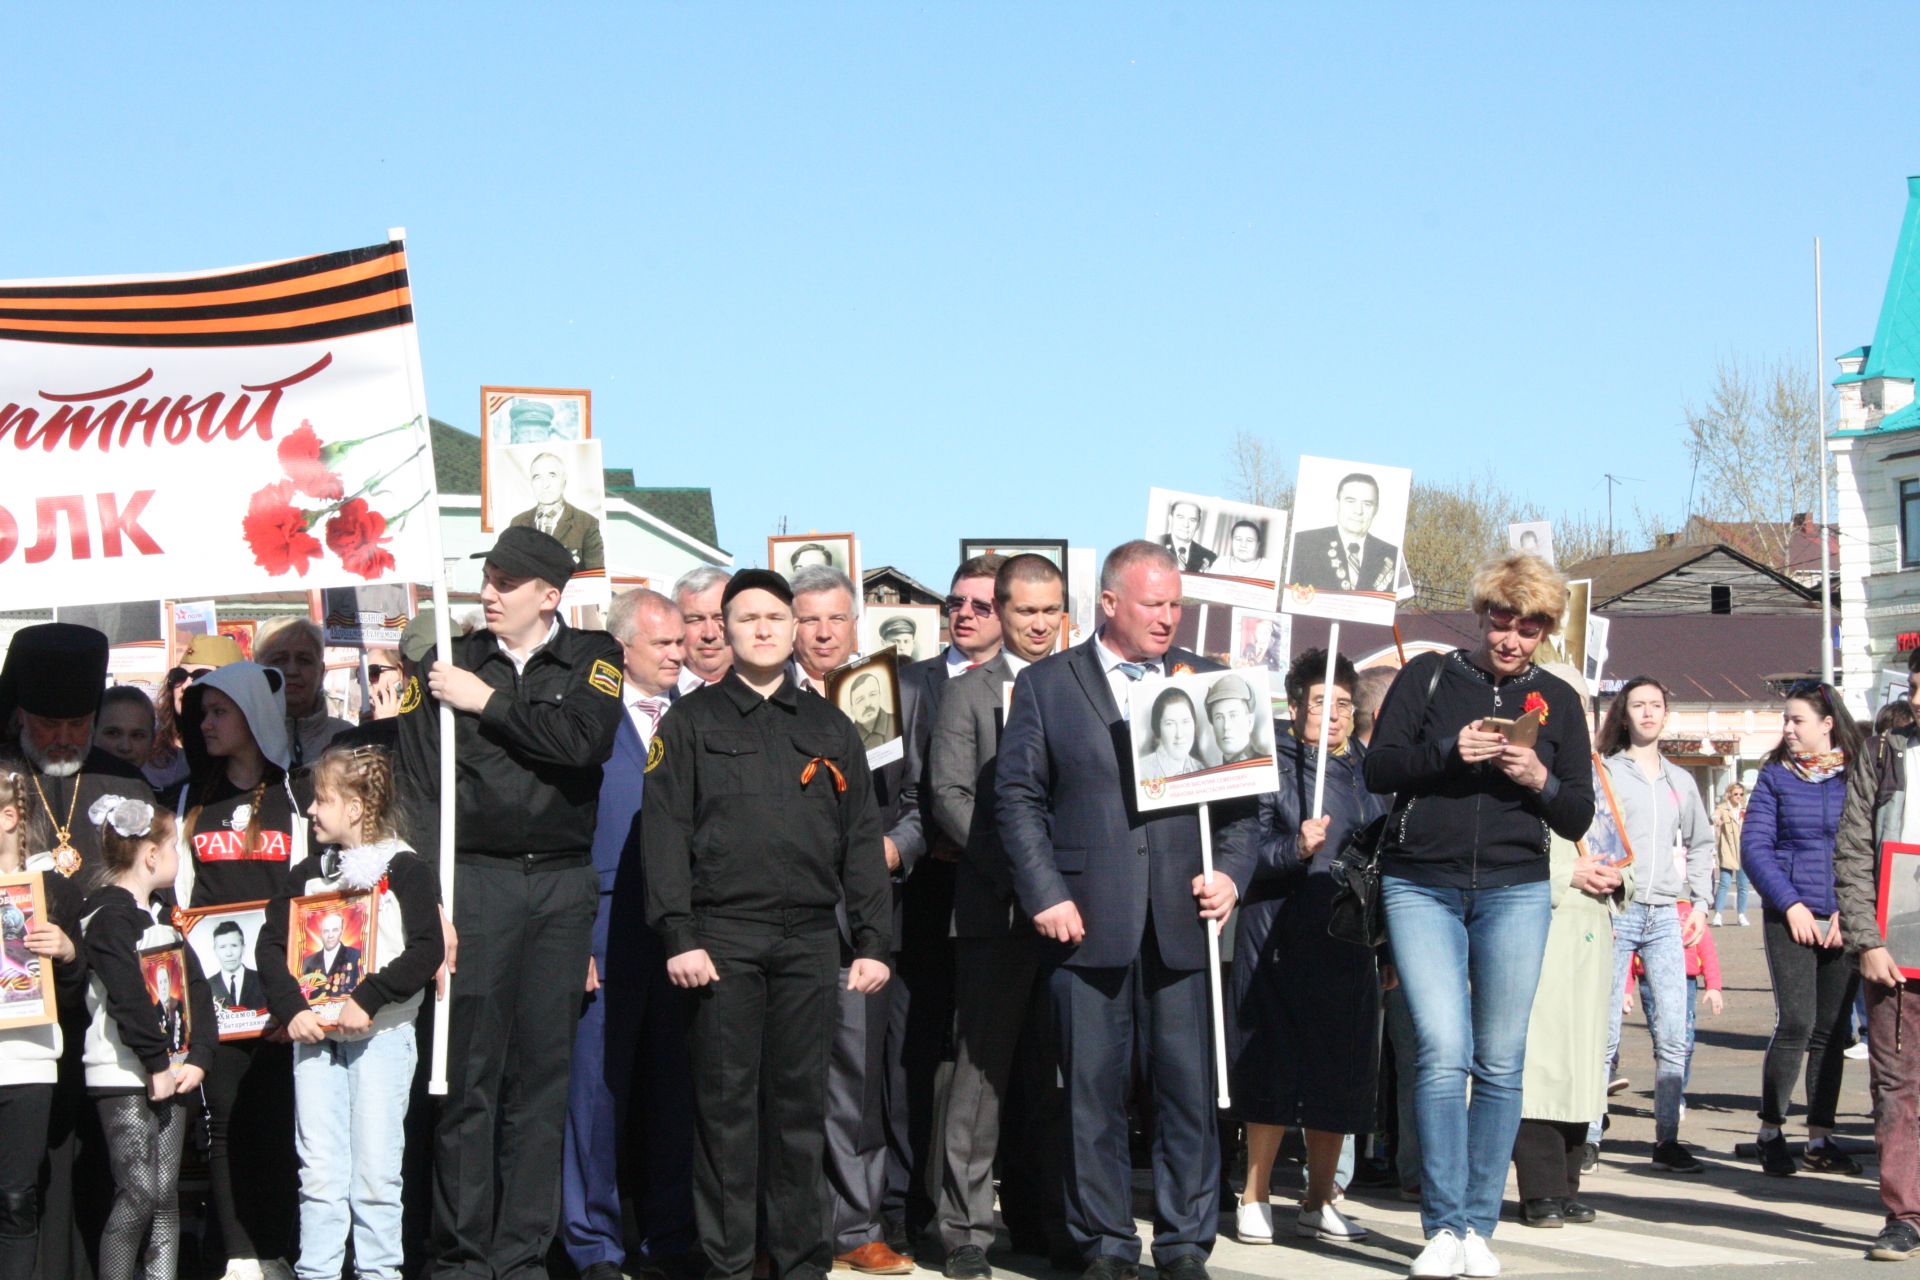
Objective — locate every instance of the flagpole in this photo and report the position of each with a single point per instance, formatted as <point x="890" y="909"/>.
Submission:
<point x="443" y="652"/>
<point x="1826" y="548"/>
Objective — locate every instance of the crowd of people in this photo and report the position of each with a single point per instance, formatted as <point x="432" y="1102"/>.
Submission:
<point x="722" y="999"/>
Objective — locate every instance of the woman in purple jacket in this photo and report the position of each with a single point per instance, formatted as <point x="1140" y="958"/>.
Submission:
<point x="1786" y="848"/>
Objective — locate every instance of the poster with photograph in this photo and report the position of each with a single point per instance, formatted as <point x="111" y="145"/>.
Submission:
<point x="1202" y="736"/>
<point x="1535" y="537"/>
<point x="558" y="488"/>
<point x="526" y="416"/>
<point x="1343" y="561"/>
<point x="26" y="980"/>
<point x="788" y="553"/>
<point x="1083" y="596"/>
<point x="1262" y="639"/>
<point x="1569" y="643"/>
<point x="165" y="969"/>
<point x="137" y="632"/>
<point x="1898" y="908"/>
<point x="330" y="947"/>
<point x="241" y="633"/>
<point x="910" y="630"/>
<point x="223" y="940"/>
<point x="190" y="618"/>
<point x="1230" y="552"/>
<point x="868" y="691"/>
<point x="1599" y="631"/>
<point x="366" y="617"/>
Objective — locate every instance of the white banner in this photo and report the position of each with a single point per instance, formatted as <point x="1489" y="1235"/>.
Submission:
<point x="246" y="430"/>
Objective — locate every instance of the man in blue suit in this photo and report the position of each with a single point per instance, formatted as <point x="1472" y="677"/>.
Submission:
<point x="1115" y="891"/>
<point x="632" y="1036"/>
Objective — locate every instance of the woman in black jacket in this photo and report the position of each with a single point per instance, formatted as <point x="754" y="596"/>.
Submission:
<point x="1464" y="879"/>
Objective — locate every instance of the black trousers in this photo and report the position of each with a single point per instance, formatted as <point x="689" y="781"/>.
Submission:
<point x="24" y="1109"/>
<point x="76" y="1186"/>
<point x="1812" y="996"/>
<point x="759" y="1046"/>
<point x="525" y="935"/>
<point x="919" y="1041"/>
<point x="1546" y="1159"/>
<point x="251" y="1163"/>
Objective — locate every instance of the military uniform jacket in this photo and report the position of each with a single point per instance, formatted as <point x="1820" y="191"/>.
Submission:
<point x="528" y="780"/>
<point x="744" y="818"/>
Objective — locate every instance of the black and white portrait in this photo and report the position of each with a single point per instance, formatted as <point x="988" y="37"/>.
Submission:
<point x="788" y="554"/>
<point x="1534" y="537"/>
<point x="1344" y="558"/>
<point x="223" y="940"/>
<point x="868" y="691"/>
<point x="911" y="630"/>
<point x="1054" y="550"/>
<point x="1205" y="736"/>
<point x="536" y="415"/>
<point x="1230" y="552"/>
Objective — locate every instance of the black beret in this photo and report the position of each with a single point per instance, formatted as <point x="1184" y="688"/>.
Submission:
<point x="752" y="580"/>
<point x="524" y="552"/>
<point x="55" y="669"/>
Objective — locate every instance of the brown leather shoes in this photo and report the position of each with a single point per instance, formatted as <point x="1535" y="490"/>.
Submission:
<point x="875" y="1259"/>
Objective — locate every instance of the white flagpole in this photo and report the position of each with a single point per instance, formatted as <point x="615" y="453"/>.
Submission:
<point x="443" y="652"/>
<point x="1326" y="720"/>
<point x="1213" y="963"/>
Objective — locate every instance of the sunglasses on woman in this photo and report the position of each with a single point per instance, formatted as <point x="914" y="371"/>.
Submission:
<point x="1530" y="628"/>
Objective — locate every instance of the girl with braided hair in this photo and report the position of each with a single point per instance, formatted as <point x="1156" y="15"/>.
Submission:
<point x="238" y="827"/>
<point x="352" y="1080"/>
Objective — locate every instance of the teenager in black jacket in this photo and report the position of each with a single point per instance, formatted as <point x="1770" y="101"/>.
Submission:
<point x="1464" y="879"/>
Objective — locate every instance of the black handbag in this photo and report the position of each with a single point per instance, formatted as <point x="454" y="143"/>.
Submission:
<point x="1357" y="915"/>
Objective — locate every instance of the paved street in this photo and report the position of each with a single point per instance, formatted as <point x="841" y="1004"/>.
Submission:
<point x="1730" y="1216"/>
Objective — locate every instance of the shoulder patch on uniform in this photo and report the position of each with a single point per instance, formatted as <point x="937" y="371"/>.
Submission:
<point x="605" y="677"/>
<point x="656" y="752"/>
<point x="410" y="696"/>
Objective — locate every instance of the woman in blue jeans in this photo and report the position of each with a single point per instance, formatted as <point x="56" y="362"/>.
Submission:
<point x="1487" y="756"/>
<point x="1662" y="821"/>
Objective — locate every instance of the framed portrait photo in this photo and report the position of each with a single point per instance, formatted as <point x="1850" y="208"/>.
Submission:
<point x="1898" y="908"/>
<point x="26" y="980"/>
<point x="1263" y="639"/>
<point x="868" y="691"/>
<point x="330" y="946"/>
<point x="1230" y="552"/>
<point x="1569" y="643"/>
<point x="1349" y="523"/>
<point x="165" y="970"/>
<point x="788" y="553"/>
<point x="1202" y="736"/>
<point x="1534" y="537"/>
<point x="1054" y="549"/>
<point x="910" y="630"/>
<point x="223" y="939"/>
<point x="560" y="489"/>
<point x="527" y="416"/>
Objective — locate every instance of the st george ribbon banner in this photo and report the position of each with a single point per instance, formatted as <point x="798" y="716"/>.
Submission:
<point x="253" y="429"/>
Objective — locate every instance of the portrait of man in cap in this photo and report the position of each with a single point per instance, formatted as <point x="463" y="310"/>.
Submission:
<point x="900" y="632"/>
<point x="527" y="415"/>
<point x="559" y="519"/>
<point x="1235" y="721"/>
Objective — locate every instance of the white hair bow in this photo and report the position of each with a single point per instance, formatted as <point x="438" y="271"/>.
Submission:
<point x="129" y="817"/>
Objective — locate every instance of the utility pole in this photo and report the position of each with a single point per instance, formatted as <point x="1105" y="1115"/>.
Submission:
<point x="1612" y="480"/>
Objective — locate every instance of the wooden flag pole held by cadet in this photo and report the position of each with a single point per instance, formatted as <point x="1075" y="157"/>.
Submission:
<point x="1326" y="720"/>
<point x="442" y="652"/>
<point x="1213" y="962"/>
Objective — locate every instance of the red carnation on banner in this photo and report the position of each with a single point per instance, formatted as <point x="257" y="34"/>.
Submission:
<point x="276" y="531"/>
<point x="1533" y="703"/>
<point x="305" y="463"/>
<point x="357" y="534"/>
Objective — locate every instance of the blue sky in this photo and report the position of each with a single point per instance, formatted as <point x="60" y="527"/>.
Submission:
<point x="926" y="271"/>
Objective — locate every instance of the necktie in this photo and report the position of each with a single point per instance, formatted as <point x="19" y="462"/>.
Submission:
<point x="654" y="709"/>
<point x="233" y="993"/>
<point x="1135" y="670"/>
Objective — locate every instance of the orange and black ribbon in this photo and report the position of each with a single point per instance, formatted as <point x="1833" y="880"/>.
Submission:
<point x="813" y="766"/>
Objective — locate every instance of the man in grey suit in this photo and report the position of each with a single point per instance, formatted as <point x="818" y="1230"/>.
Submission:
<point x="1120" y="896"/>
<point x="1001" y="1008"/>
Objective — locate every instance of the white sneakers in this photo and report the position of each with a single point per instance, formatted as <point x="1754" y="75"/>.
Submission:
<point x="1329" y="1224"/>
<point x="1447" y="1256"/>
<point x="1253" y="1223"/>
<point x="1480" y="1261"/>
<point x="1718" y="920"/>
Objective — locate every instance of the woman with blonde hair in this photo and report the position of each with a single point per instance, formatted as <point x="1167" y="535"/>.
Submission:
<point x="297" y="648"/>
<point x="1728" y="816"/>
<point x="1487" y="757"/>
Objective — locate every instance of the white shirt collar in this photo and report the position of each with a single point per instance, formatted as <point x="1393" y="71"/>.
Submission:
<point x="520" y="663"/>
<point x="1110" y="661"/>
<point x="1015" y="663"/>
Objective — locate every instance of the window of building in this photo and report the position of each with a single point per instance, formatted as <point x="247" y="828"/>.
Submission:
<point x="1910" y="524"/>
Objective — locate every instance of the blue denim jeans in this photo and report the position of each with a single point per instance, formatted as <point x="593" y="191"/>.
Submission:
<point x="1648" y="998"/>
<point x="1727" y="880"/>
<point x="1654" y="932"/>
<point x="350" y="1111"/>
<point x="1469" y="960"/>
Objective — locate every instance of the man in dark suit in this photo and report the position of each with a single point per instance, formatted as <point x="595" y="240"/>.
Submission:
<point x="338" y="963"/>
<point x="1183" y="526"/>
<point x="237" y="984"/>
<point x="1115" y="890"/>
<point x="866" y="706"/>
<point x="554" y="516"/>
<point x="631" y="1043"/>
<point x="1002" y="1013"/>
<point x="1346" y="557"/>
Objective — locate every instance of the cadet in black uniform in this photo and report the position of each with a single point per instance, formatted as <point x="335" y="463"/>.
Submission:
<point x="537" y="704"/>
<point x="758" y="818"/>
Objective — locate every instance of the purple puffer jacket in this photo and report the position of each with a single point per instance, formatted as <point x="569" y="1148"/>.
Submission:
<point x="1786" y="845"/>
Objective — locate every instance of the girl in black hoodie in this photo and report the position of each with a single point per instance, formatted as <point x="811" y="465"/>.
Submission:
<point x="238" y="834"/>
